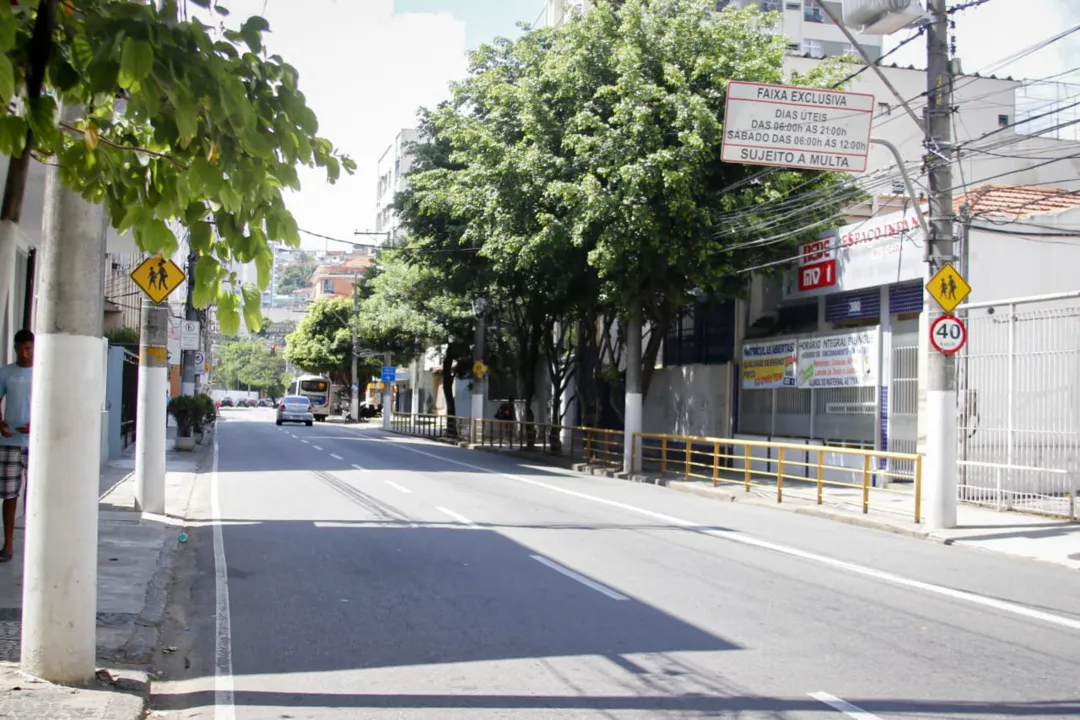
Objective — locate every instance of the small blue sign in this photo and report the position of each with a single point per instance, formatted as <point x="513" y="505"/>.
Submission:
<point x="389" y="374"/>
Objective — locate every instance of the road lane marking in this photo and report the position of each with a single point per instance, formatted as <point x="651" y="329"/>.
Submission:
<point x="843" y="706"/>
<point x="602" y="589"/>
<point x="305" y="442"/>
<point x="456" y="516"/>
<point x="359" y="467"/>
<point x="397" y="487"/>
<point x="732" y="536"/>
<point x="224" y="689"/>
<point x="336" y="457"/>
<point x="317" y="448"/>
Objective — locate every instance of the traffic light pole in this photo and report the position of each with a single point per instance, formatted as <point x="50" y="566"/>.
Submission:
<point x="354" y="398"/>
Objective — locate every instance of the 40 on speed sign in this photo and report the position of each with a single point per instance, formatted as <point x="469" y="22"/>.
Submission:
<point x="948" y="334"/>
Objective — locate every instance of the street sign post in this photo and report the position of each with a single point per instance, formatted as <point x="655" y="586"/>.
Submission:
<point x="948" y="287"/>
<point x="797" y="127"/>
<point x="389" y="374"/>
<point x="189" y="335"/>
<point x="157" y="277"/>
<point x="948" y="334"/>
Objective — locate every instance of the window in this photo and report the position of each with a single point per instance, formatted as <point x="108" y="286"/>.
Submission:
<point x="1003" y="121"/>
<point x="793" y="5"/>
<point x="813" y="48"/>
<point x="328" y="286"/>
<point x="311" y="386"/>
<point x="770" y="5"/>
<point x="898" y="187"/>
<point x="812" y="12"/>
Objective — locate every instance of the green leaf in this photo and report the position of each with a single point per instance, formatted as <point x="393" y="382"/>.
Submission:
<point x="205" y="178"/>
<point x="187" y="119"/>
<point x="228" y="311"/>
<point x="12" y="135"/>
<point x="82" y="52"/>
<point x="208" y="276"/>
<point x="63" y="76"/>
<point x="230" y="199"/>
<point x="156" y="238"/>
<point x="136" y="62"/>
<point x="7" y="28"/>
<point x="7" y="79"/>
<point x="253" y="316"/>
<point x="264" y="264"/>
<point x="202" y="237"/>
<point x="202" y="3"/>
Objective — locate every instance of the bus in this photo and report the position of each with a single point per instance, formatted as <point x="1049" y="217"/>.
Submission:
<point x="317" y="390"/>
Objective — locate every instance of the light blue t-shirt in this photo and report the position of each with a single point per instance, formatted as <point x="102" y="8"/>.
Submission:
<point x="15" y="390"/>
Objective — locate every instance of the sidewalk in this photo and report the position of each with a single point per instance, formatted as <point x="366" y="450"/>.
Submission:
<point x="135" y="556"/>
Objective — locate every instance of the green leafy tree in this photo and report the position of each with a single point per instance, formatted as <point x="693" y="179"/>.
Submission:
<point x="250" y="363"/>
<point x="295" y="276"/>
<point x="322" y="342"/>
<point x="181" y="125"/>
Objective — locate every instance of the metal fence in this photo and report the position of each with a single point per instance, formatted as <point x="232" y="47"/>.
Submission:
<point x="1019" y="405"/>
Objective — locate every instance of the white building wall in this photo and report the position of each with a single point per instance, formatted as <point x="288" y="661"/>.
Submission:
<point x="394" y="166"/>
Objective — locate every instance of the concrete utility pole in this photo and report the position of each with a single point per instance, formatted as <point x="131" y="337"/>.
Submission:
<point x="388" y="395"/>
<point x="59" y="616"/>
<point x="414" y="380"/>
<point x="354" y="402"/>
<point x="150" y="408"/>
<point x="187" y="357"/>
<point x="477" y="408"/>
<point x="940" y="464"/>
<point x="632" y="419"/>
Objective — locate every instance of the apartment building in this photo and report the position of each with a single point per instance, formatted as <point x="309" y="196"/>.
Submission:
<point x="394" y="165"/>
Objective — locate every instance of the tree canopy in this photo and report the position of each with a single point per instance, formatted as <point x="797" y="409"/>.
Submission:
<point x="183" y="124"/>
<point x="251" y="363"/>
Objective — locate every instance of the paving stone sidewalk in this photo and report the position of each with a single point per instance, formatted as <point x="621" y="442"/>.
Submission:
<point x="135" y="557"/>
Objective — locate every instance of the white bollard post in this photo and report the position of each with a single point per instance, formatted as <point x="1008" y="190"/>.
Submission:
<point x="59" y="618"/>
<point x="150" y="419"/>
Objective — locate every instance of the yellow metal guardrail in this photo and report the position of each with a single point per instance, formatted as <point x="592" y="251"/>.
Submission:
<point x="759" y="463"/>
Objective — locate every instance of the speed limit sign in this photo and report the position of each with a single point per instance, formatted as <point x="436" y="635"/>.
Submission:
<point x="948" y="334"/>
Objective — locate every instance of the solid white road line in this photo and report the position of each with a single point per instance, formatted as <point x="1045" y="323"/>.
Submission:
<point x="456" y="516"/>
<point x="305" y="442"/>
<point x="397" y="487"/>
<point x="224" y="695"/>
<point x="887" y="577"/>
<point x="602" y="589"/>
<point x="336" y="457"/>
<point x="359" y="467"/>
<point x="843" y="706"/>
<point x="317" y="448"/>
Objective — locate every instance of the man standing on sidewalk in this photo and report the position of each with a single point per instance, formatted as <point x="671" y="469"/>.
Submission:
<point x="15" y="432"/>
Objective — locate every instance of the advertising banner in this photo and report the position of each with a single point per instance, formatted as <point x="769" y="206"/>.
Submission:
<point x="841" y="360"/>
<point x="768" y="365"/>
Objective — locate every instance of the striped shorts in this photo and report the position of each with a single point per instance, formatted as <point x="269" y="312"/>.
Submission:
<point x="13" y="463"/>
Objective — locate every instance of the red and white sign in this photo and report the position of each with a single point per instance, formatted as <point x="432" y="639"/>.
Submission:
<point x="797" y="127"/>
<point x="816" y="276"/>
<point x="948" y="334"/>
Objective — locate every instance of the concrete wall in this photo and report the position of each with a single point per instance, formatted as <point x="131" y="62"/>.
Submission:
<point x="114" y="388"/>
<point x="690" y="400"/>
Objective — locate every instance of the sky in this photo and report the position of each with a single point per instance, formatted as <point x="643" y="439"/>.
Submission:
<point x="367" y="66"/>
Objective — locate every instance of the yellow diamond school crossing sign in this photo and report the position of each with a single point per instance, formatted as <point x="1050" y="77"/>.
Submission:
<point x="948" y="287"/>
<point x="157" y="277"/>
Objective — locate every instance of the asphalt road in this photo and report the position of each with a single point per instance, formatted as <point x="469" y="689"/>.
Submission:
<point x="359" y="574"/>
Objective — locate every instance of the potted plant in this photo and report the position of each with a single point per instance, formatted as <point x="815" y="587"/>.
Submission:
<point x="188" y="413"/>
<point x="208" y="415"/>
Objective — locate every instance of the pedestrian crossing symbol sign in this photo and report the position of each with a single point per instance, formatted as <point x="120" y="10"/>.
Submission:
<point x="948" y="287"/>
<point x="157" y="277"/>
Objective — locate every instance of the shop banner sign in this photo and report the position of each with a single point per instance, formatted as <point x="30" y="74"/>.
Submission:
<point x="843" y="360"/>
<point x="768" y="365"/>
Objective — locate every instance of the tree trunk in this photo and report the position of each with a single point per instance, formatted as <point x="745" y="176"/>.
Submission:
<point x="448" y="381"/>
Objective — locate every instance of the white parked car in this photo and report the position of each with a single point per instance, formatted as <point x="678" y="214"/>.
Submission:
<point x="295" y="409"/>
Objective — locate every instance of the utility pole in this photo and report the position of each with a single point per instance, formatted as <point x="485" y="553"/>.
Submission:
<point x="477" y="409"/>
<point x="187" y="357"/>
<point x="632" y="415"/>
<point x="59" y="618"/>
<point x="354" y="402"/>
<point x="941" y="407"/>
<point x="150" y="407"/>
<point x="388" y="395"/>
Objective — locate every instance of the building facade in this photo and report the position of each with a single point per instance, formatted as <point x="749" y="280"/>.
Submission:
<point x="393" y="167"/>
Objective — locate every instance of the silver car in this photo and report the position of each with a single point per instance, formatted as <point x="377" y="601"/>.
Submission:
<point x="295" y="409"/>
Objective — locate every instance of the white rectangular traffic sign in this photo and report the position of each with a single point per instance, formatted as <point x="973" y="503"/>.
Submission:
<point x="189" y="335"/>
<point x="797" y="127"/>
